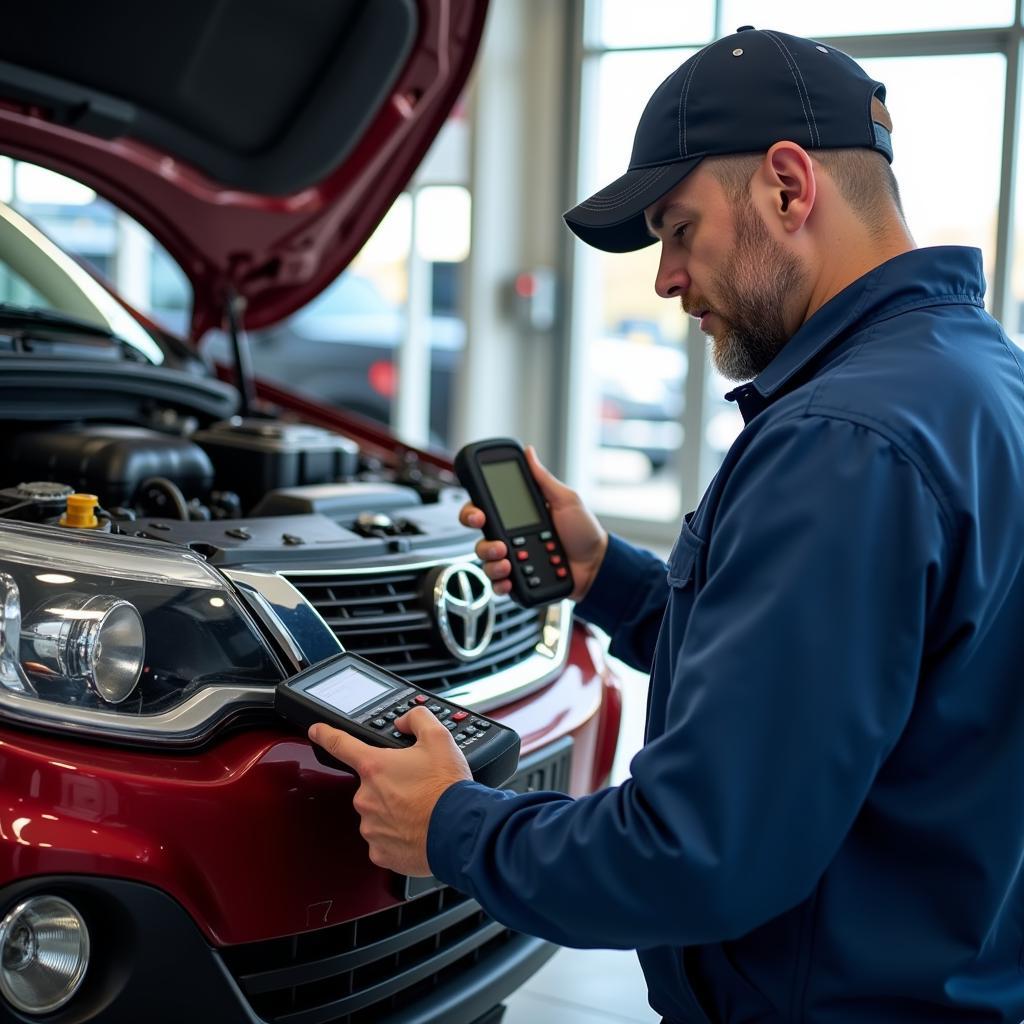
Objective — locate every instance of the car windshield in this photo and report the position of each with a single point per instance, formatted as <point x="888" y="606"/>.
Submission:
<point x="41" y="288"/>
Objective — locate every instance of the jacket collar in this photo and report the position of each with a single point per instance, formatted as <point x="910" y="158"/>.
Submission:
<point x="936" y="276"/>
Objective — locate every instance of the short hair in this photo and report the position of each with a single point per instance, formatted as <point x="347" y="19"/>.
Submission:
<point x="863" y="177"/>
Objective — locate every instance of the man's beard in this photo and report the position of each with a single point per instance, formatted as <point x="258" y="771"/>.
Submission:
<point x="751" y="292"/>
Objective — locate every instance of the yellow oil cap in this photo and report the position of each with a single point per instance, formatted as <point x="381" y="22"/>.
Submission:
<point x="81" y="512"/>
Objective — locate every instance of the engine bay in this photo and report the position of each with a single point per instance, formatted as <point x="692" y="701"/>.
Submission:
<point x="162" y="570"/>
<point x="244" y="489"/>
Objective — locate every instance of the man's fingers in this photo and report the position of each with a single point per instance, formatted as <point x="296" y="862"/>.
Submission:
<point x="430" y="733"/>
<point x="421" y="723"/>
<point x="490" y="550"/>
<point x="497" y="571"/>
<point x="340" y="745"/>
<point x="470" y="515"/>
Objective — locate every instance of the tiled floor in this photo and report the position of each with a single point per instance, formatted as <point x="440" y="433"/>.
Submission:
<point x="593" y="986"/>
<point x="583" y="986"/>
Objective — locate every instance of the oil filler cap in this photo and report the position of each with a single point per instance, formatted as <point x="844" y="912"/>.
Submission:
<point x="81" y="512"/>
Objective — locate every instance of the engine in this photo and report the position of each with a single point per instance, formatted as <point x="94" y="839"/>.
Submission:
<point x="318" y="541"/>
<point x="252" y="484"/>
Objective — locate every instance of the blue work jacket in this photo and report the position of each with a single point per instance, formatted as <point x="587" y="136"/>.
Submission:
<point x="826" y="822"/>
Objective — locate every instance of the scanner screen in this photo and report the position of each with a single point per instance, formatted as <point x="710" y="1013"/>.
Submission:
<point x="348" y="690"/>
<point x="511" y="494"/>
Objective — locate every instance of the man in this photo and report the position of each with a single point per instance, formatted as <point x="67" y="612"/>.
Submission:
<point x="826" y="823"/>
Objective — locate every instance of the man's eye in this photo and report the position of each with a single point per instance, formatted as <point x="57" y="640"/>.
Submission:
<point x="679" y="232"/>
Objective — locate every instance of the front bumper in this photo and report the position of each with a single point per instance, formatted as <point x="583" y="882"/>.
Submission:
<point x="153" y="964"/>
<point x="438" y="958"/>
<point x="232" y="883"/>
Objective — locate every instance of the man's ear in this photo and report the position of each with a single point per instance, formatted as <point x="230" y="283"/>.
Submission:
<point x="787" y="184"/>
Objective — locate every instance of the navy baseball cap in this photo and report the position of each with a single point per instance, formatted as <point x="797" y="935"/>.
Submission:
<point x="740" y="94"/>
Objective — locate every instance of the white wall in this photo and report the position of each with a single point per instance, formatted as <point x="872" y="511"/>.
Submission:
<point x="511" y="377"/>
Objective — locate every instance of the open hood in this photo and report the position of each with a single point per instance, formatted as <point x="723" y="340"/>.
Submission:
<point x="260" y="141"/>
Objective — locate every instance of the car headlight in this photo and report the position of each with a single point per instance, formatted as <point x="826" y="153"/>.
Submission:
<point x="123" y="637"/>
<point x="97" y="638"/>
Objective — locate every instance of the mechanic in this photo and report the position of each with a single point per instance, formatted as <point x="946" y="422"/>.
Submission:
<point x="826" y="823"/>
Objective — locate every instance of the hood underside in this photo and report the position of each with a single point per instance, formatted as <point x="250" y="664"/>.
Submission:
<point x="260" y="142"/>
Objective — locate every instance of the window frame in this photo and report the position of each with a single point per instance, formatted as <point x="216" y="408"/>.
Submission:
<point x="582" y="63"/>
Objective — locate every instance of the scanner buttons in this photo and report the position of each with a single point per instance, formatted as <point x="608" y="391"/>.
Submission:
<point x="466" y="727"/>
<point x="529" y="555"/>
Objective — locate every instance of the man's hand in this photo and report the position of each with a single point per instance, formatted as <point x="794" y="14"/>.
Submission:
<point x="398" y="788"/>
<point x="583" y="537"/>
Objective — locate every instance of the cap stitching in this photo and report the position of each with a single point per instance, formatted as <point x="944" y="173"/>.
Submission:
<point x="800" y="86"/>
<point x="684" y="99"/>
<point x="627" y="186"/>
<point x="797" y="82"/>
<point x="803" y="82"/>
<point x="620" y="198"/>
<point x="679" y="106"/>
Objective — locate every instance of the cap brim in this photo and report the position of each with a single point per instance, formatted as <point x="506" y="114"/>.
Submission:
<point x="613" y="219"/>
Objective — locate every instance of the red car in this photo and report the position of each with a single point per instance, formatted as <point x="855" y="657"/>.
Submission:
<point x="169" y="849"/>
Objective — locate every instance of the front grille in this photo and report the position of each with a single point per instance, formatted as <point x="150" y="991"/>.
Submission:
<point x="371" y="968"/>
<point x="387" y="618"/>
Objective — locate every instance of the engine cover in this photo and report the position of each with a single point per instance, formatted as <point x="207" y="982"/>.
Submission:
<point x="110" y="461"/>
<point x="255" y="456"/>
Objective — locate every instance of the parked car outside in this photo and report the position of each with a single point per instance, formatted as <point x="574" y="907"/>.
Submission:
<point x="342" y="348"/>
<point x="640" y="383"/>
<point x="174" y="543"/>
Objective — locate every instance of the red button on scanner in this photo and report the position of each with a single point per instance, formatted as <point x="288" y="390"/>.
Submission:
<point x="420" y="699"/>
<point x="460" y="715"/>
<point x="556" y="559"/>
<point x="562" y="573"/>
<point x="522" y="555"/>
<point x="550" y="546"/>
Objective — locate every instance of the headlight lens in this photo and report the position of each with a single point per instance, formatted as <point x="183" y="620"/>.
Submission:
<point x="44" y="953"/>
<point x="96" y="638"/>
<point x="122" y="636"/>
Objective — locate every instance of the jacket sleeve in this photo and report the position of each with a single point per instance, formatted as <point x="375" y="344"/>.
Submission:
<point x="793" y="680"/>
<point x="627" y="600"/>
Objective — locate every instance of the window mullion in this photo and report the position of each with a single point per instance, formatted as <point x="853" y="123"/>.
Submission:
<point x="1001" y="285"/>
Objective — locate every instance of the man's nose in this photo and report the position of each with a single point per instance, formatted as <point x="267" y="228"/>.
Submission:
<point x="672" y="280"/>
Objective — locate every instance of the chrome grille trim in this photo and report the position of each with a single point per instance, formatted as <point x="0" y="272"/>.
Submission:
<point x="476" y="685"/>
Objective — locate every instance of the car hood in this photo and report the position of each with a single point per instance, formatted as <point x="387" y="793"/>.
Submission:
<point x="260" y="142"/>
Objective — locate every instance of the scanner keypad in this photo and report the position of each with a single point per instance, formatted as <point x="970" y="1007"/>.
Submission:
<point x="538" y="559"/>
<point x="464" y="725"/>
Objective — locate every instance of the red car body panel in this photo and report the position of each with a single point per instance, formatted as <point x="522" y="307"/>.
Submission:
<point x="251" y="835"/>
<point x="276" y="252"/>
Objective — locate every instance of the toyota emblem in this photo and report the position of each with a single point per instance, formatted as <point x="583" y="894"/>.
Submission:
<point x="464" y="605"/>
